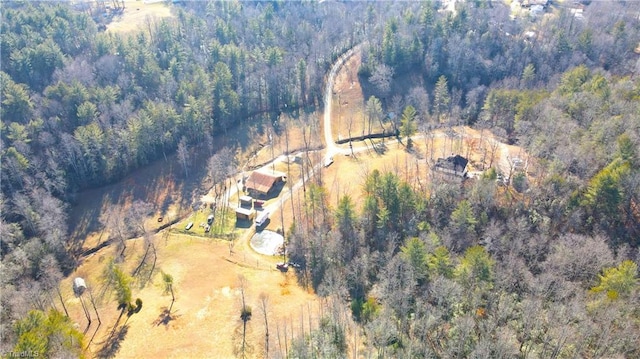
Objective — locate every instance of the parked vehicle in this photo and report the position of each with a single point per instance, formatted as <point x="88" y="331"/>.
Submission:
<point x="189" y="225"/>
<point x="258" y="203"/>
<point x="283" y="267"/>
<point x="262" y="218"/>
<point x="210" y="218"/>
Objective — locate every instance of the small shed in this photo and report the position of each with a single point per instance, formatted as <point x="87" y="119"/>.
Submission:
<point x="246" y="201"/>
<point x="245" y="214"/>
<point x="79" y="286"/>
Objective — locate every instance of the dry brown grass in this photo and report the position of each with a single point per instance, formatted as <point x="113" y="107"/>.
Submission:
<point x="347" y="174"/>
<point x="206" y="315"/>
<point x="349" y="103"/>
<point x="138" y="15"/>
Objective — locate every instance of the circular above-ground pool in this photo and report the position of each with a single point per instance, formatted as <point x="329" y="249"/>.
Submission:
<point x="267" y="242"/>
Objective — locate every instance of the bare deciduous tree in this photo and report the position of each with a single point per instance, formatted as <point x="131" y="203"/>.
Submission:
<point x="264" y="302"/>
<point x="245" y="316"/>
<point x="381" y="78"/>
<point x="113" y="221"/>
<point x="220" y="167"/>
<point x="183" y="155"/>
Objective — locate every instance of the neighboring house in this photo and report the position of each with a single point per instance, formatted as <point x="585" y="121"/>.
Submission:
<point x="262" y="183"/>
<point x="452" y="167"/>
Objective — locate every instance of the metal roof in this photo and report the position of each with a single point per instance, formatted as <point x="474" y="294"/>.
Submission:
<point x="262" y="182"/>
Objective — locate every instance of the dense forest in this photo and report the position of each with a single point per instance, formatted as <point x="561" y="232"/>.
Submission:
<point x="547" y="268"/>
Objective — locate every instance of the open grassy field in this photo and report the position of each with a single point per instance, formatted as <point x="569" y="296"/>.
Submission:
<point x="139" y="14"/>
<point x="207" y="272"/>
<point x="205" y="319"/>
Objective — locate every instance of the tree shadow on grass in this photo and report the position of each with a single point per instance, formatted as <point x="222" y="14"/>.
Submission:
<point x="113" y="343"/>
<point x="165" y="317"/>
<point x="242" y="348"/>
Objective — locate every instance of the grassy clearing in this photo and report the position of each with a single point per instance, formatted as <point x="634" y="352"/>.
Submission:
<point x="205" y="316"/>
<point x="349" y="104"/>
<point x="139" y="15"/>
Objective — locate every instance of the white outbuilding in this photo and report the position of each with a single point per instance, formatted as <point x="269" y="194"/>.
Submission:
<point x="79" y="286"/>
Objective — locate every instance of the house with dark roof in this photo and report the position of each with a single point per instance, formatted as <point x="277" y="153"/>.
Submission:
<point x="452" y="166"/>
<point x="263" y="183"/>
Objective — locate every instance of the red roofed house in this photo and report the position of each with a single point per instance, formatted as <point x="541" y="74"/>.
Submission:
<point x="262" y="183"/>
